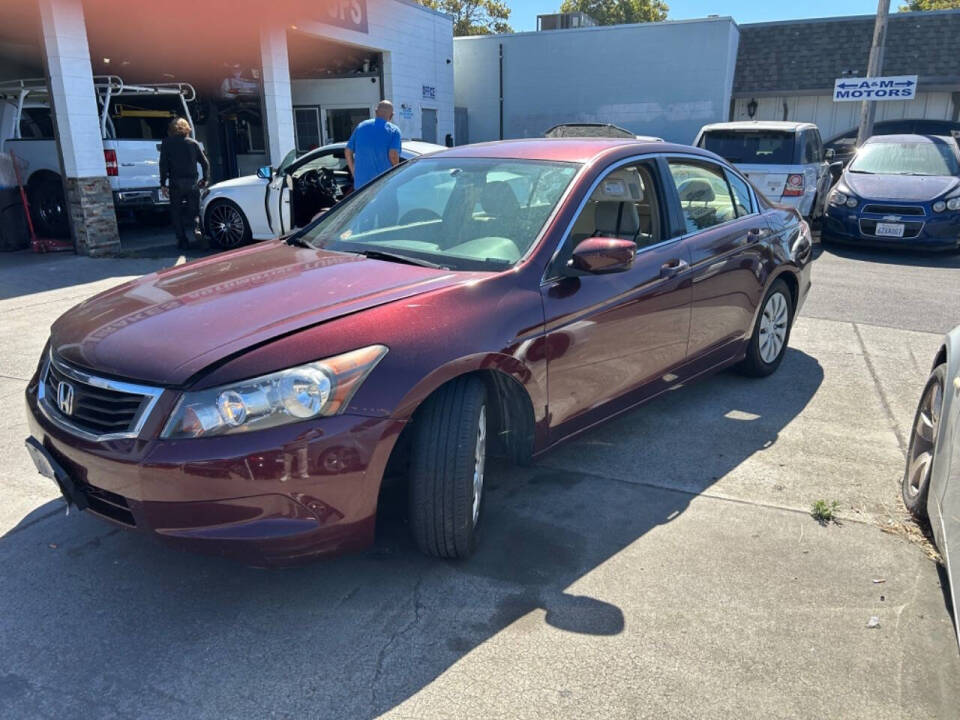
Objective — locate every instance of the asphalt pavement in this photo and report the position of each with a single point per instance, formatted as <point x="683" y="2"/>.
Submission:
<point x="663" y="565"/>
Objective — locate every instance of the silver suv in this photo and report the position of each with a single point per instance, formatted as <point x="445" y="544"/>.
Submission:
<point x="784" y="160"/>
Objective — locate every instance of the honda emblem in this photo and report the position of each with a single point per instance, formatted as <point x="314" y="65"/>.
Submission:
<point x="65" y="397"/>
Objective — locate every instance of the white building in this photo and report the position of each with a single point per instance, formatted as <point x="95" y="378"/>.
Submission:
<point x="268" y="79"/>
<point x="664" y="79"/>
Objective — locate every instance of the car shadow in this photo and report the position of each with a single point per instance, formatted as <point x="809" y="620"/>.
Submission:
<point x="890" y="256"/>
<point x="100" y="622"/>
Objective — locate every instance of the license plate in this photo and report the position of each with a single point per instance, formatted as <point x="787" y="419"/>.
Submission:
<point x="50" y="468"/>
<point x="889" y="230"/>
<point x="41" y="459"/>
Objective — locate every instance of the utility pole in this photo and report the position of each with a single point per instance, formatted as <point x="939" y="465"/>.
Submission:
<point x="874" y="68"/>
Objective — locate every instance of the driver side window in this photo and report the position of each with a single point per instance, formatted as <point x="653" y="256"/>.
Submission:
<point x="623" y="205"/>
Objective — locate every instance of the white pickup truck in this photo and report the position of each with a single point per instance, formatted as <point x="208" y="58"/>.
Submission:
<point x="133" y="121"/>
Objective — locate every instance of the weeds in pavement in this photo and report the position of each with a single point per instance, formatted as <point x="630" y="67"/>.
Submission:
<point x="824" y="512"/>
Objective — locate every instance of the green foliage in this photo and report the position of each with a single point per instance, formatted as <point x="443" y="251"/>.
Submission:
<point x="919" y="5"/>
<point x="619" y="12"/>
<point x="824" y="512"/>
<point x="474" y="17"/>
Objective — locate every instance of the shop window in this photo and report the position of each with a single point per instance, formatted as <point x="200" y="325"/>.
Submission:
<point x="307" y="128"/>
<point x="250" y="136"/>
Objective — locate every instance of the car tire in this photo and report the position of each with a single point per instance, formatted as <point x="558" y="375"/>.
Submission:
<point x="915" y="486"/>
<point x="226" y="225"/>
<point x="771" y="332"/>
<point x="447" y="463"/>
<point x="48" y="207"/>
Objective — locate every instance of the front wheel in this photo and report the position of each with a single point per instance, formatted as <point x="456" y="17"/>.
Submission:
<point x="226" y="225"/>
<point x="448" y="460"/>
<point x="48" y="207"/>
<point x="915" y="486"/>
<point x="768" y="344"/>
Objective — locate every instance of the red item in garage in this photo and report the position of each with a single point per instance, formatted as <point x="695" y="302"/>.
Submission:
<point x="38" y="245"/>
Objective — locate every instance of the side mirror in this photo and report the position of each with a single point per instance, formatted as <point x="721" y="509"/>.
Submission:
<point x="599" y="255"/>
<point x="836" y="169"/>
<point x="265" y="173"/>
<point x="830" y="154"/>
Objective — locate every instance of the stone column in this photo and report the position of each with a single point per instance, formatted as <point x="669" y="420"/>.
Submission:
<point x="277" y="99"/>
<point x="93" y="219"/>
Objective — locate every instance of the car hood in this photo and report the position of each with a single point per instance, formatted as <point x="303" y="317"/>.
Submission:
<point x="244" y="181"/>
<point x="166" y="327"/>
<point x="899" y="187"/>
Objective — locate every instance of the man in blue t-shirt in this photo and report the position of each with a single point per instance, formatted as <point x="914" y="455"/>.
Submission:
<point x="374" y="146"/>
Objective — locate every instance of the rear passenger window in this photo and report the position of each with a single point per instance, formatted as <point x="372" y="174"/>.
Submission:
<point x="741" y="193"/>
<point x="704" y="194"/>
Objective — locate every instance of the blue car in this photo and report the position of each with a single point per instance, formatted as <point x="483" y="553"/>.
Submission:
<point x="898" y="190"/>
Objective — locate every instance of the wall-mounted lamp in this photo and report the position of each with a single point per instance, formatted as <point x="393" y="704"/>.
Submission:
<point x="752" y="107"/>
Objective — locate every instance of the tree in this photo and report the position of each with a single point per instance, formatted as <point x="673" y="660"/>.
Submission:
<point x="474" y="17"/>
<point x="915" y="5"/>
<point x="618" y="12"/>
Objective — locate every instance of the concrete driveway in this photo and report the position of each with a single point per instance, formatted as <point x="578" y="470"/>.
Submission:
<point x="661" y="566"/>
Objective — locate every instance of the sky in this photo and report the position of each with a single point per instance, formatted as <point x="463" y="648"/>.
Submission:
<point x="524" y="12"/>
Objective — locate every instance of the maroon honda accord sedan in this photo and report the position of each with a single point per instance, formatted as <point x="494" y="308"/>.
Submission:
<point x="489" y="299"/>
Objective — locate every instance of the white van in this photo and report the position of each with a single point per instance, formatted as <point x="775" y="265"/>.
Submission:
<point x="133" y="121"/>
<point x="784" y="160"/>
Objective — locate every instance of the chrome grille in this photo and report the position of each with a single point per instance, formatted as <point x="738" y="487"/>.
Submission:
<point x="99" y="408"/>
<point x="893" y="209"/>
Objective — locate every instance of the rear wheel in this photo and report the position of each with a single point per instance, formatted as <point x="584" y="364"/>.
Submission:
<point x="915" y="486"/>
<point x="448" y="460"/>
<point x="226" y="225"/>
<point x="771" y="333"/>
<point x="48" y="207"/>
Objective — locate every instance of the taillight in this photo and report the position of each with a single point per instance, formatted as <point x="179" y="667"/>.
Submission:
<point x="794" y="186"/>
<point x="110" y="156"/>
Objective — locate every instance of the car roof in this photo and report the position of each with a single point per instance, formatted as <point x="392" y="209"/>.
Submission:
<point x="760" y="125"/>
<point x="578" y="150"/>
<point x="907" y="138"/>
<point x="416" y="147"/>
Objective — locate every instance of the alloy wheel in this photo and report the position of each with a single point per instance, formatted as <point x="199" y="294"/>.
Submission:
<point x="480" y="460"/>
<point x="226" y="225"/>
<point x="773" y="327"/>
<point x="924" y="438"/>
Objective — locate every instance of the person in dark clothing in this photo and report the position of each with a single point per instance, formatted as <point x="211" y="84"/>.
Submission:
<point x="179" y="156"/>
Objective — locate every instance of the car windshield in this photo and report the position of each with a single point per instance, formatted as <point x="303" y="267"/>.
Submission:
<point x="762" y="147"/>
<point x="457" y="213"/>
<point x="911" y="158"/>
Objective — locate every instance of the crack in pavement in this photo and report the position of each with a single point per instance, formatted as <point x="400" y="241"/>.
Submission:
<point x="381" y="656"/>
<point x="884" y="400"/>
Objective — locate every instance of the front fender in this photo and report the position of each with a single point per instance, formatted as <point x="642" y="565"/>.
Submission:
<point x="509" y="365"/>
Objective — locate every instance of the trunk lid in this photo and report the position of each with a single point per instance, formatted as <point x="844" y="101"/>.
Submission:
<point x="769" y="179"/>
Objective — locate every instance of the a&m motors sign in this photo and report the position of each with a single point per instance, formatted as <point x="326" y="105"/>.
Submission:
<point x="895" y="87"/>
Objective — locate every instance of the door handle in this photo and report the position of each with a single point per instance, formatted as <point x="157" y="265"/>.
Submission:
<point x="673" y="268"/>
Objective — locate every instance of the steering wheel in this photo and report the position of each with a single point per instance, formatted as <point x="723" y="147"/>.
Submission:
<point x="417" y="215"/>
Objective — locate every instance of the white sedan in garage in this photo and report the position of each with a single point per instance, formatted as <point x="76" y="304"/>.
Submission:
<point x="276" y="200"/>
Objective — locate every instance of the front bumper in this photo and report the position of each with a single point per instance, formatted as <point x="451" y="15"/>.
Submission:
<point x="268" y="497"/>
<point x="141" y="198"/>
<point x="934" y="231"/>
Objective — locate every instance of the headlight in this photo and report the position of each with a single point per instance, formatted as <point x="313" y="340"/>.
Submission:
<point x="838" y="198"/>
<point x="953" y="203"/>
<point x="316" y="389"/>
<point x="939" y="206"/>
<point x="851" y="201"/>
